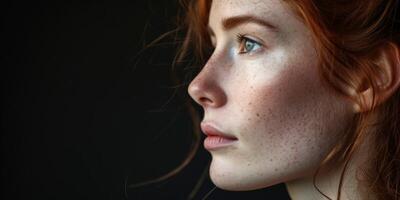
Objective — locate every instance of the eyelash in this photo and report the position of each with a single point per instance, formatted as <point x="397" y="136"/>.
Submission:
<point x="242" y="39"/>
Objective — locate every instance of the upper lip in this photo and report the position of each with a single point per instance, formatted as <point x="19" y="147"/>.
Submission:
<point x="210" y="130"/>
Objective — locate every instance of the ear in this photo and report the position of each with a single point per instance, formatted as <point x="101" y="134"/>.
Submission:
<point x="388" y="81"/>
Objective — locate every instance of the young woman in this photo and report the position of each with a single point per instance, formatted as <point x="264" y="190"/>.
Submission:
<point x="304" y="92"/>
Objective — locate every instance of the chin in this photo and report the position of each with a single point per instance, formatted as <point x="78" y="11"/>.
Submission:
<point x="237" y="181"/>
<point x="229" y="185"/>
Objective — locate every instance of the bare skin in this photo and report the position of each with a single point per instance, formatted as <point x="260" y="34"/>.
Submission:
<point x="265" y="90"/>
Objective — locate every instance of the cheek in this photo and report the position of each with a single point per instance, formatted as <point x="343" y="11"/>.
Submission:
<point x="290" y="120"/>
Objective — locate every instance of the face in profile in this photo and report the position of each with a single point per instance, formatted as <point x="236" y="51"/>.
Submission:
<point x="261" y="85"/>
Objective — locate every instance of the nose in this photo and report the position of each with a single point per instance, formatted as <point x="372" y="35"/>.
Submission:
<point x="206" y="89"/>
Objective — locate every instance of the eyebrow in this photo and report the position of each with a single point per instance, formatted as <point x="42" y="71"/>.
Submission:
<point x="232" y="22"/>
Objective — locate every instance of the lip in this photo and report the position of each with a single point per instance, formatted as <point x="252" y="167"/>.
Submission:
<point x="216" y="139"/>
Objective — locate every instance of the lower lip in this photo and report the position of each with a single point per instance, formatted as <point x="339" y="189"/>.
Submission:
<point x="216" y="142"/>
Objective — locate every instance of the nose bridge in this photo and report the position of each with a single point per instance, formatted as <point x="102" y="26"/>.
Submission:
<point x="206" y="88"/>
<point x="214" y="70"/>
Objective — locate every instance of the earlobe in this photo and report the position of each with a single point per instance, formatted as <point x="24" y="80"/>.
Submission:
<point x="364" y="101"/>
<point x="387" y="82"/>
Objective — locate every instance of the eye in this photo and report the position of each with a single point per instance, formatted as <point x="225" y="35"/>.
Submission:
<point x="247" y="45"/>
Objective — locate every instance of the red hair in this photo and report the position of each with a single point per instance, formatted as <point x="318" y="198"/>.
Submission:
<point x="349" y="36"/>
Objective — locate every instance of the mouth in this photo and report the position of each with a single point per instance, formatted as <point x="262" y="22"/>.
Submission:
<point x="216" y="139"/>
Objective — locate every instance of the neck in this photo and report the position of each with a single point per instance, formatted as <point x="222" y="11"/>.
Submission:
<point x="353" y="187"/>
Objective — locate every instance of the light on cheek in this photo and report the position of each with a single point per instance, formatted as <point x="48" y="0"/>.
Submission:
<point x="232" y="53"/>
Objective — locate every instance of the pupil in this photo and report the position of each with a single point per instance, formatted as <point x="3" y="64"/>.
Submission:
<point x="249" y="45"/>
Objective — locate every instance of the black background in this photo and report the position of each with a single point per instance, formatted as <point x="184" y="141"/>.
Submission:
<point x="85" y="110"/>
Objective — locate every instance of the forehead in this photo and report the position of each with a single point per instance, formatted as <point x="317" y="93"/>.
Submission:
<point x="262" y="8"/>
<point x="277" y="12"/>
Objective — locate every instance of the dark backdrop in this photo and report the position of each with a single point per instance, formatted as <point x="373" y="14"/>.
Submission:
<point x="85" y="111"/>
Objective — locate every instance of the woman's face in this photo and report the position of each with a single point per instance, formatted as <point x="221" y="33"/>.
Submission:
<point x="261" y="85"/>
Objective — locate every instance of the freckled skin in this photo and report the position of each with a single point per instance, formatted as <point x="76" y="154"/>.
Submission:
<point x="273" y="101"/>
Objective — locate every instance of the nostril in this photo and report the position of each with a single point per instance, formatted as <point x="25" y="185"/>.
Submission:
<point x="206" y="92"/>
<point x="205" y="100"/>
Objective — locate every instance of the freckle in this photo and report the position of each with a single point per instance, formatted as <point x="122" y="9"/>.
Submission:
<point x="258" y="114"/>
<point x="250" y="103"/>
<point x="276" y="169"/>
<point x="270" y="160"/>
<point x="248" y="164"/>
<point x="249" y="119"/>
